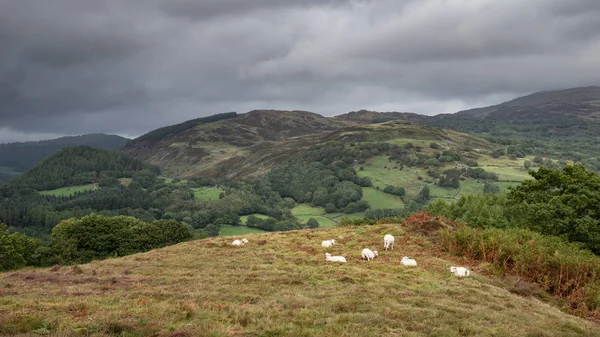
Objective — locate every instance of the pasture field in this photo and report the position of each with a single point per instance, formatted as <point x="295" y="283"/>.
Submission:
<point x="324" y="221"/>
<point x="207" y="193"/>
<point x="244" y="218"/>
<point x="377" y="199"/>
<point x="306" y="209"/>
<point x="277" y="285"/>
<point x="239" y="230"/>
<point x="69" y="191"/>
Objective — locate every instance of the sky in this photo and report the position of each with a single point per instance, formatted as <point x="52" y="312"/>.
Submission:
<point x="126" y="67"/>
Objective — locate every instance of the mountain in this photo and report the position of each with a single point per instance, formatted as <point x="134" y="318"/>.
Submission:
<point x="247" y="145"/>
<point x="558" y="111"/>
<point x="370" y="117"/>
<point x="235" y="145"/>
<point x="561" y="123"/>
<point x="79" y="165"/>
<point x="19" y="157"/>
<point x="279" y="284"/>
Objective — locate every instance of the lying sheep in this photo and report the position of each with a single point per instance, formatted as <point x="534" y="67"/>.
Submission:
<point x="408" y="262"/>
<point x="327" y="243"/>
<point x="239" y="242"/>
<point x="388" y="240"/>
<point x="328" y="257"/>
<point x="369" y="254"/>
<point x="460" y="271"/>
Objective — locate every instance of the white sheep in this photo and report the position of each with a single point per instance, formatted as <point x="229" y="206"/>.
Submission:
<point x="328" y="257"/>
<point x="388" y="240"/>
<point x="460" y="271"/>
<point x="239" y="242"/>
<point x="327" y="243"/>
<point x="408" y="262"/>
<point x="369" y="254"/>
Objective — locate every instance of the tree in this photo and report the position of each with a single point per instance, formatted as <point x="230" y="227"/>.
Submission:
<point x="424" y="193"/>
<point x="212" y="230"/>
<point x="16" y="250"/>
<point x="312" y="223"/>
<point x="527" y="164"/>
<point x="330" y="208"/>
<point x="489" y="188"/>
<point x="563" y="202"/>
<point x="434" y="145"/>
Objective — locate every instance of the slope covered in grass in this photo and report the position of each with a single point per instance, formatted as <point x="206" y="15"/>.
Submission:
<point x="277" y="285"/>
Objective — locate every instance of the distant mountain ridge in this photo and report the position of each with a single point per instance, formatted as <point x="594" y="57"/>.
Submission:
<point x="21" y="156"/>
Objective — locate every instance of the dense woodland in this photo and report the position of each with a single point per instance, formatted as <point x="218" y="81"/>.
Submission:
<point x="20" y="157"/>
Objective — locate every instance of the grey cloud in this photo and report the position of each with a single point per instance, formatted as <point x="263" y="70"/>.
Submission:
<point x="126" y="66"/>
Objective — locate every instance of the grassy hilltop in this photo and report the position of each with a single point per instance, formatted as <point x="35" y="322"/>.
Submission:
<point x="277" y="285"/>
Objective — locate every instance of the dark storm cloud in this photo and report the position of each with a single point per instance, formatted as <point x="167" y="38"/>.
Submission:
<point x="125" y="66"/>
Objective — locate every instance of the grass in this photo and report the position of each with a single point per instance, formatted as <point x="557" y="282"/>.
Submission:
<point x="207" y="193"/>
<point x="69" y="191"/>
<point x="277" y="285"/>
<point x="305" y="209"/>
<point x="324" y="221"/>
<point x="377" y="199"/>
<point x="239" y="230"/>
<point x="244" y="218"/>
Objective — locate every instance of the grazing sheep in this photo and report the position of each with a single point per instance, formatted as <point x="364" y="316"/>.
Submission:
<point x="408" y="262"/>
<point x="460" y="271"/>
<point x="388" y="240"/>
<point x="239" y="242"/>
<point x="327" y="243"/>
<point x="328" y="257"/>
<point x="369" y="254"/>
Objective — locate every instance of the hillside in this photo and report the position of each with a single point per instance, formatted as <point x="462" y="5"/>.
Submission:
<point x="19" y="157"/>
<point x="78" y="165"/>
<point x="370" y="117"/>
<point x="561" y="124"/>
<point x="250" y="144"/>
<point x="277" y="285"/>
<point x="242" y="145"/>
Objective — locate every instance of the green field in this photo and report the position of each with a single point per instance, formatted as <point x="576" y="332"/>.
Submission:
<point x="384" y="172"/>
<point x="304" y="209"/>
<point x="377" y="199"/>
<point x="239" y="230"/>
<point x="207" y="193"/>
<point x="69" y="191"/>
<point x="323" y="221"/>
<point x="304" y="212"/>
<point x="244" y="218"/>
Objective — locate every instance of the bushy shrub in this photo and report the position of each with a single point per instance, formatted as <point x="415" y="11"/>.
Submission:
<point x="558" y="267"/>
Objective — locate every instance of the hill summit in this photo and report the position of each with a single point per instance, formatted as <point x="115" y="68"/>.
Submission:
<point x="278" y="284"/>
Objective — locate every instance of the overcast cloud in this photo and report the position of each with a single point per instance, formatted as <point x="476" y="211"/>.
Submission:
<point x="129" y="66"/>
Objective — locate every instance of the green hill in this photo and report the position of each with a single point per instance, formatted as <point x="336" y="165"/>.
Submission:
<point x="20" y="157"/>
<point x="78" y="165"/>
<point x="279" y="284"/>
<point x="561" y="124"/>
<point x="234" y="145"/>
